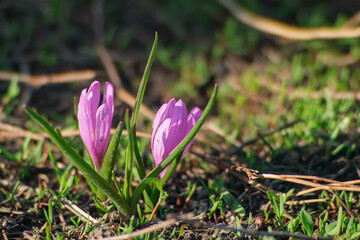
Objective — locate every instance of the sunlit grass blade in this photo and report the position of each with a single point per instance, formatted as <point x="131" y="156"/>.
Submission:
<point x="180" y="148"/>
<point x="7" y="154"/>
<point x="79" y="163"/>
<point x="136" y="111"/>
<point x="233" y="203"/>
<point x="110" y="157"/>
<point x="143" y="83"/>
<point x="171" y="170"/>
<point x="111" y="153"/>
<point x="128" y="160"/>
<point x="134" y="146"/>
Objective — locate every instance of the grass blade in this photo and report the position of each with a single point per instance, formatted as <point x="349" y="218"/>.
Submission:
<point x="135" y="114"/>
<point x="109" y="158"/>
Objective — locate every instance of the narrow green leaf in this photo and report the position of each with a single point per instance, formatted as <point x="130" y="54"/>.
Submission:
<point x="76" y="104"/>
<point x="12" y="91"/>
<point x="339" y="222"/>
<point x="14" y="191"/>
<point x="117" y="185"/>
<point x="349" y="227"/>
<point x="128" y="173"/>
<point x="109" y="158"/>
<point x="79" y="163"/>
<point x="330" y="229"/>
<point x="138" y="161"/>
<point x="273" y="200"/>
<point x="180" y="148"/>
<point x="111" y="153"/>
<point x="50" y="207"/>
<point x="7" y="154"/>
<point x="281" y="204"/>
<point x="136" y="111"/>
<point x="100" y="206"/>
<point x="355" y="236"/>
<point x="128" y="161"/>
<point x="307" y="222"/>
<point x="171" y="170"/>
<point x="230" y="200"/>
<point x="141" y="91"/>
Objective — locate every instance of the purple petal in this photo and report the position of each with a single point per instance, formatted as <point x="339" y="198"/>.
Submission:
<point x="86" y="123"/>
<point x="162" y="114"/>
<point x="192" y="119"/>
<point x="158" y="145"/>
<point x="93" y="98"/>
<point x="108" y="100"/>
<point x="177" y="126"/>
<point x="102" y="133"/>
<point x="156" y="121"/>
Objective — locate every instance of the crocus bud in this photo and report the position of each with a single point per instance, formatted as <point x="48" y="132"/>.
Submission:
<point x="171" y="125"/>
<point x="95" y="120"/>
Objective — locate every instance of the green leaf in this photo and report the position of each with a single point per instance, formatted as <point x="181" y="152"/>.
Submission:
<point x="135" y="114"/>
<point x="273" y="200"/>
<point x="5" y="153"/>
<point x="111" y="153"/>
<point x="14" y="191"/>
<point x="13" y="90"/>
<point x="180" y="148"/>
<point x="141" y="91"/>
<point x="80" y="163"/>
<point x="171" y="170"/>
<point x="281" y="204"/>
<point x="109" y="158"/>
<point x="128" y="161"/>
<point x="307" y="221"/>
<point x="330" y="229"/>
<point x="231" y="200"/>
<point x="339" y="222"/>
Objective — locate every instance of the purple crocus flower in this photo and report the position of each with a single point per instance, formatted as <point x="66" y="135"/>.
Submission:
<point x="95" y="121"/>
<point x="171" y="125"/>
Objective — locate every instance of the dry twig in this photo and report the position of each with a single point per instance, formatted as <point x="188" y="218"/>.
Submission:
<point x="299" y="179"/>
<point x="206" y="226"/>
<point x="287" y="31"/>
<point x="11" y="131"/>
<point x="44" y="79"/>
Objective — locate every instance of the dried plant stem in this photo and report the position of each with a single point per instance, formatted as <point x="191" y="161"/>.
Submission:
<point x="11" y="131"/>
<point x="78" y="211"/>
<point x="299" y="179"/>
<point x="307" y="191"/>
<point x="206" y="226"/>
<point x="44" y="79"/>
<point x="155" y="209"/>
<point x="289" y="178"/>
<point x="74" y="209"/>
<point x="329" y="184"/>
<point x="287" y="31"/>
<point x="143" y="231"/>
<point x="300" y="202"/>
